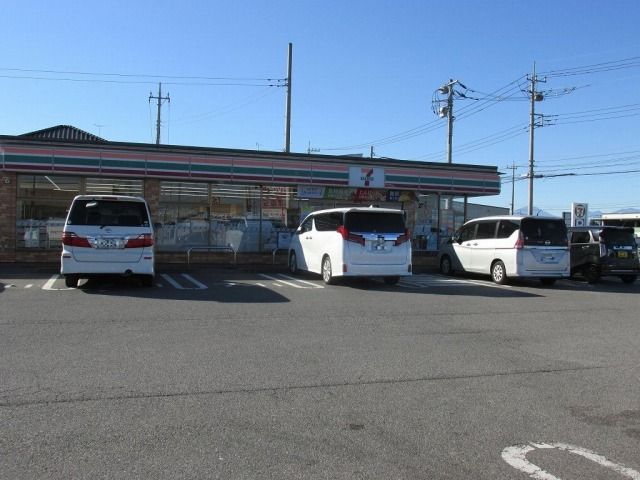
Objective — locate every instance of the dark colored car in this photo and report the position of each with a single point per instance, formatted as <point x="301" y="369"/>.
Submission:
<point x="604" y="251"/>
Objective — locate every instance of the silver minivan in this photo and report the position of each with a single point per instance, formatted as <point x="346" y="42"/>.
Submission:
<point x="509" y="246"/>
<point x="352" y="242"/>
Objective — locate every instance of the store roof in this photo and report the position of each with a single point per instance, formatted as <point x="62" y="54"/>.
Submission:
<point x="64" y="132"/>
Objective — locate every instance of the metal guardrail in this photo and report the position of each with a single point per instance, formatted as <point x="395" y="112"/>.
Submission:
<point x="213" y="249"/>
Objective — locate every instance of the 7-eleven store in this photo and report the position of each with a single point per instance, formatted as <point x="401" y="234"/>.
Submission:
<point x="207" y="197"/>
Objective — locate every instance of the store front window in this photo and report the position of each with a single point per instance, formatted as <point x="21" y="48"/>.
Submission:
<point x="246" y="218"/>
<point x="113" y="186"/>
<point x="43" y="201"/>
<point x="42" y="204"/>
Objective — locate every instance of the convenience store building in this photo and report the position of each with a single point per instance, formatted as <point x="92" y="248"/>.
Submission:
<point x="209" y="197"/>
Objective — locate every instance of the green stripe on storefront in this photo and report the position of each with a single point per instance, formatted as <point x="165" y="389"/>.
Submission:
<point x="162" y="166"/>
<point x="82" y="162"/>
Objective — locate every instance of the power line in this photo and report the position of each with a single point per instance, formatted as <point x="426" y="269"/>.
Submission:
<point x="595" y="155"/>
<point x="433" y="125"/>
<point x="631" y="62"/>
<point x="138" y="75"/>
<point x="199" y="117"/>
<point x="145" y="82"/>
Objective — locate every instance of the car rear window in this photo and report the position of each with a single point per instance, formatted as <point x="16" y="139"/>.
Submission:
<point x="545" y="232"/>
<point x="108" y="213"/>
<point x="618" y="236"/>
<point x="374" y="222"/>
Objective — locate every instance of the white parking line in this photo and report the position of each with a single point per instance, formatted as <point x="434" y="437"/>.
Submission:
<point x="172" y="281"/>
<point x="29" y="286"/>
<point x="313" y="285"/>
<point x="175" y="284"/>
<point x="291" y="284"/>
<point x="437" y="281"/>
<point x="516" y="456"/>
<point x="51" y="281"/>
<point x="201" y="286"/>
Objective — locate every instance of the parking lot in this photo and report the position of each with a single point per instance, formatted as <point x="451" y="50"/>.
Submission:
<point x="231" y="373"/>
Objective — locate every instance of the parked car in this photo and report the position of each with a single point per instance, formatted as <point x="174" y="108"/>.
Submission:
<point x="352" y="242"/>
<point x="247" y="234"/>
<point x="604" y="251"/>
<point x="509" y="246"/>
<point x="107" y="234"/>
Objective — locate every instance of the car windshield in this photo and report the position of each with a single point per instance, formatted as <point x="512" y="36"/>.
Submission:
<point x="374" y="222"/>
<point x="544" y="231"/>
<point x="618" y="236"/>
<point x="109" y="213"/>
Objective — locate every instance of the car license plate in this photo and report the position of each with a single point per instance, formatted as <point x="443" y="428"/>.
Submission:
<point x="107" y="243"/>
<point x="623" y="254"/>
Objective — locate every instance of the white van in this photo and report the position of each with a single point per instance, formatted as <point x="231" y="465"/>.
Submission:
<point x="107" y="234"/>
<point x="509" y="246"/>
<point x="352" y="242"/>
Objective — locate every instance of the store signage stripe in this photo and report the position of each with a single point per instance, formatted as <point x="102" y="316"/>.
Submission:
<point x="76" y="161"/>
<point x="459" y="179"/>
<point x="198" y="167"/>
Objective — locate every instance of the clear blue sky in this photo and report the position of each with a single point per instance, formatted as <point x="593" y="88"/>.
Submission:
<point x="364" y="73"/>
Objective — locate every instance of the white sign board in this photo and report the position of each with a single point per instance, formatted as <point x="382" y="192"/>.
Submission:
<point x="368" y="177"/>
<point x="579" y="214"/>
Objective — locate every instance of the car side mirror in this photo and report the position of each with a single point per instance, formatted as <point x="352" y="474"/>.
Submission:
<point x="298" y="230"/>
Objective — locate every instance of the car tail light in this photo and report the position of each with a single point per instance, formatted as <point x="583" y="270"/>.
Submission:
<point x="145" y="240"/>
<point x="403" y="238"/>
<point x="350" y="237"/>
<point x="73" y="240"/>
<point x="519" y="242"/>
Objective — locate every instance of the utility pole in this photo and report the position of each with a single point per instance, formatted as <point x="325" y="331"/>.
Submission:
<point x="450" y="121"/>
<point x="513" y="185"/>
<point x="287" y="134"/>
<point x="535" y="97"/>
<point x="160" y="98"/>
<point x="447" y="110"/>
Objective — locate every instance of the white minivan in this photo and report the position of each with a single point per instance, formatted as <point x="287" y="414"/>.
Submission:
<point x="509" y="246"/>
<point x="352" y="242"/>
<point x="107" y="234"/>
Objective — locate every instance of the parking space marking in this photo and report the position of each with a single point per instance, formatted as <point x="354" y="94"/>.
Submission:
<point x="201" y="286"/>
<point x="313" y="285"/>
<point x="176" y="285"/>
<point x="29" y="286"/>
<point x="516" y="456"/>
<point x="425" y="281"/>
<point x="295" y="282"/>
<point x="49" y="284"/>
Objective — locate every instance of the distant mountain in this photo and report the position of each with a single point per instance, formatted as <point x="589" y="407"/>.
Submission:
<point x="538" y="212"/>
<point x="628" y="210"/>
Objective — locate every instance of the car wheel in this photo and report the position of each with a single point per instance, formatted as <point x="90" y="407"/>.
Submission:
<point x="391" y="280"/>
<point x="147" y="280"/>
<point x="71" y="281"/>
<point x="293" y="263"/>
<point x="445" y="265"/>
<point x="547" y="282"/>
<point x="327" y="274"/>
<point x="628" y="278"/>
<point x="498" y="273"/>
<point x="592" y="273"/>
